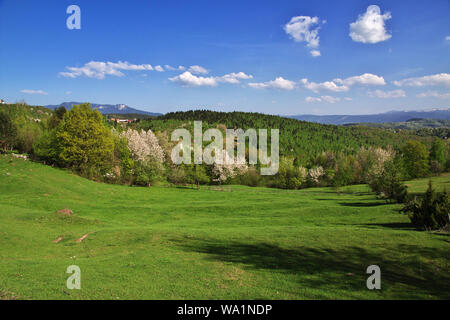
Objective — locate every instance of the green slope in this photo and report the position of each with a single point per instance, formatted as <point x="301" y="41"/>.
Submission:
<point x="180" y="243"/>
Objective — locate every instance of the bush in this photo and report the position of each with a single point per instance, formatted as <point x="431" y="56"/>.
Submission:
<point x="388" y="184"/>
<point x="46" y="148"/>
<point x="147" y="173"/>
<point x="251" y="178"/>
<point x="431" y="212"/>
<point x="197" y="175"/>
<point x="177" y="175"/>
<point x="289" y="176"/>
<point x="26" y="137"/>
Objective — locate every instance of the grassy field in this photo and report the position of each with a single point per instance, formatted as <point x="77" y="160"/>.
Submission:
<point x="235" y="243"/>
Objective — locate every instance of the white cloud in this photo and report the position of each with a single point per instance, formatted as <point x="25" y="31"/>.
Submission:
<point x="369" y="27"/>
<point x="68" y="92"/>
<point x="327" y="85"/>
<point x="234" y="77"/>
<point x="27" y="91"/>
<point x="434" y="94"/>
<point x="364" y="79"/>
<point x="159" y="68"/>
<point x="447" y="38"/>
<point x="343" y="85"/>
<point x="312" y="99"/>
<point x="431" y="80"/>
<point x="99" y="69"/>
<point x="278" y="83"/>
<point x="315" y="53"/>
<point x="168" y="67"/>
<point x="197" y="70"/>
<point x="305" y="29"/>
<point x="328" y="99"/>
<point x="348" y="99"/>
<point x="187" y="79"/>
<point x="387" y="94"/>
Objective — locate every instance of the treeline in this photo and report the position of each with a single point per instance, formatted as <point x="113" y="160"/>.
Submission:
<point x="311" y="154"/>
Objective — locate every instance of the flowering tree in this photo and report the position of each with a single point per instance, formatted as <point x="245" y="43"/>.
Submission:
<point x="144" y="145"/>
<point x="229" y="167"/>
<point x="314" y="174"/>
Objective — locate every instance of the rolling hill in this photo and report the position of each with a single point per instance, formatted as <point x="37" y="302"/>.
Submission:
<point x="392" y="116"/>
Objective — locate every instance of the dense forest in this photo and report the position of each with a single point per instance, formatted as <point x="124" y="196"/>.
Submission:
<point x="300" y="139"/>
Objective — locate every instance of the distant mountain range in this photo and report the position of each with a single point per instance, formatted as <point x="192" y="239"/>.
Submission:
<point x="106" y="108"/>
<point x="392" y="116"/>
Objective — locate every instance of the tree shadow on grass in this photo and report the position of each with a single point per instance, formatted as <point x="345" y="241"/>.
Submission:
<point x="395" y="225"/>
<point x="335" y="269"/>
<point x="364" y="204"/>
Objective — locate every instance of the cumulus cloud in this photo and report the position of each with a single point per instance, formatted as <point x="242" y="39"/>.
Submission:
<point x="305" y="29"/>
<point x="187" y="79"/>
<point x="328" y="99"/>
<point x="159" y="68"/>
<point x="447" y="38"/>
<point x="27" y="91"/>
<point x="234" y="77"/>
<point x="327" y="85"/>
<point x="441" y="79"/>
<point x="278" y="83"/>
<point x="342" y="85"/>
<point x="364" y="79"/>
<point x="434" y="94"/>
<point x="197" y="70"/>
<point x="387" y="94"/>
<point x="370" y="27"/>
<point x="99" y="69"/>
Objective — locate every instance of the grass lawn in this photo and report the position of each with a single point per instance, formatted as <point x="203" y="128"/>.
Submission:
<point x="181" y="243"/>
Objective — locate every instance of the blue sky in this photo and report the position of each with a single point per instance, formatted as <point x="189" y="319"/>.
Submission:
<point x="259" y="56"/>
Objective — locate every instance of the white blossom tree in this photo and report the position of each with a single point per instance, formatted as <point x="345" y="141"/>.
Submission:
<point x="144" y="145"/>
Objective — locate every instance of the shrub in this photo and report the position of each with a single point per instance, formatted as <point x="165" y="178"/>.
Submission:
<point x="26" y="137"/>
<point x="432" y="212"/>
<point x="197" y="175"/>
<point x="289" y="176"/>
<point x="177" y="175"/>
<point x="251" y="178"/>
<point x="46" y="148"/>
<point x="388" y="183"/>
<point x="147" y="173"/>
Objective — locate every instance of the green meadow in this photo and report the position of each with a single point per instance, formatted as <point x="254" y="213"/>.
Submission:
<point x="230" y="242"/>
